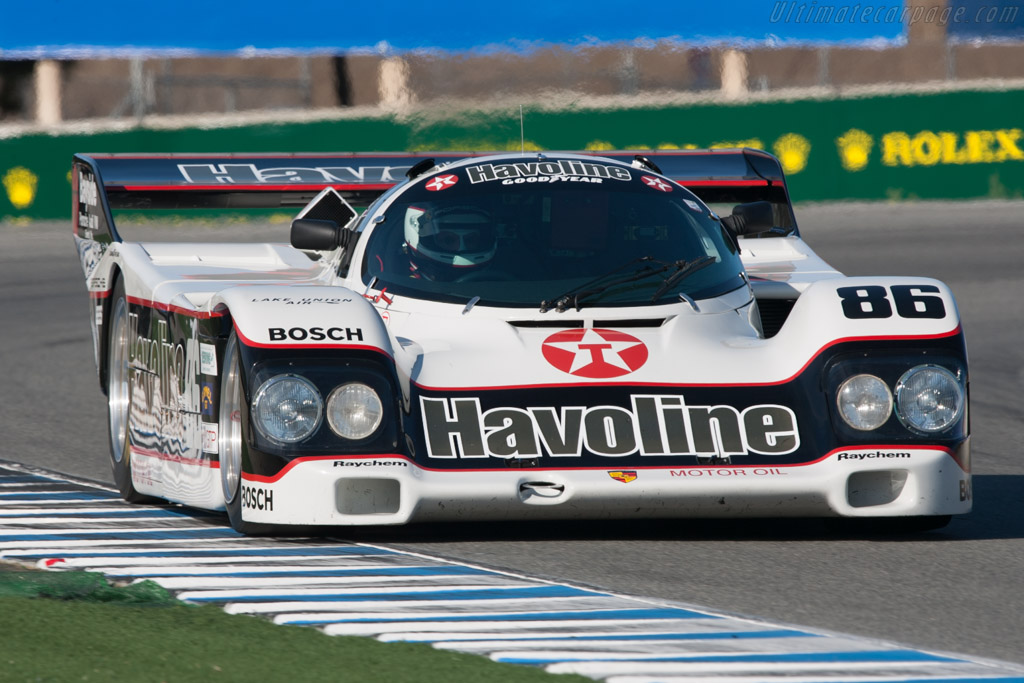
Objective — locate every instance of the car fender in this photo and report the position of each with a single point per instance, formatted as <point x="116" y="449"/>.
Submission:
<point x="866" y="308"/>
<point x="314" y="317"/>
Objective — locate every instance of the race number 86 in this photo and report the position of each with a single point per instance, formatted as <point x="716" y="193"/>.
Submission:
<point x="873" y="301"/>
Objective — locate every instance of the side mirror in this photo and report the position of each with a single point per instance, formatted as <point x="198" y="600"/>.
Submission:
<point x="750" y="219"/>
<point x="316" y="235"/>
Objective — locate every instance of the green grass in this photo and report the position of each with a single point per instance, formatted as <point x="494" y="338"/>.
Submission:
<point x="74" y="626"/>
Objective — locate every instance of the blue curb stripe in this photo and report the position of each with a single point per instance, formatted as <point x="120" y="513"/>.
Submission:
<point x="114" y="534"/>
<point x="887" y="656"/>
<point x="485" y="594"/>
<point x="114" y="513"/>
<point x="396" y="571"/>
<point x="967" y="679"/>
<point x="510" y="618"/>
<point x="527" y="616"/>
<point x="340" y="551"/>
<point x="27" y="479"/>
<point x="62" y="495"/>
<point x="717" y="635"/>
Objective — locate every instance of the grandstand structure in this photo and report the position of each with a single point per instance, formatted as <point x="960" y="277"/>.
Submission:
<point x="936" y="53"/>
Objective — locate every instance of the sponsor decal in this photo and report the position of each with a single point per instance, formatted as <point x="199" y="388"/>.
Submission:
<point x="928" y="148"/>
<point x="656" y="183"/>
<point x="546" y="172"/>
<point x="247" y="174"/>
<point x="370" y="463"/>
<point x="164" y="361"/>
<point x="441" y="182"/>
<point x="21" y="184"/>
<point x="872" y="455"/>
<point x="965" y="490"/>
<point x="709" y="473"/>
<point x="793" y="150"/>
<point x="693" y="205"/>
<point x="257" y="498"/>
<point x="315" y="334"/>
<point x="872" y="301"/>
<point x="625" y="476"/>
<point x="167" y="394"/>
<point x="88" y="199"/>
<point x="210" y="438"/>
<point x="206" y="402"/>
<point x="931" y="148"/>
<point x="99" y="315"/>
<point x="88" y="193"/>
<point x="305" y="301"/>
<point x="594" y="353"/>
<point x="208" y="359"/>
<point x="653" y="425"/>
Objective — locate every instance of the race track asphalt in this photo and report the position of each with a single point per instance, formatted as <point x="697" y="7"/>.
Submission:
<point x="960" y="589"/>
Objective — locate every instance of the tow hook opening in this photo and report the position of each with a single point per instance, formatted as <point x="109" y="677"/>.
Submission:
<point x="540" y="491"/>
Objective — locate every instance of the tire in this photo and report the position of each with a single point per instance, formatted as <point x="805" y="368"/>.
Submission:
<point x="119" y="391"/>
<point x="232" y="446"/>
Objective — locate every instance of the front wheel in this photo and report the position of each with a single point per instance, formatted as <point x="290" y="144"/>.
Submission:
<point x="119" y="395"/>
<point x="232" y="446"/>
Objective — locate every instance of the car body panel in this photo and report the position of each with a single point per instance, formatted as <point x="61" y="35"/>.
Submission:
<point x="680" y="408"/>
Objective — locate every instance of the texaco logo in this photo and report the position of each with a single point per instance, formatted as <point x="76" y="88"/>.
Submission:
<point x="442" y="182"/>
<point x="656" y="183"/>
<point x="595" y="353"/>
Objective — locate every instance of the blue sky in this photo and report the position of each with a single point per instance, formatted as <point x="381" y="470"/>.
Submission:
<point x="63" y="26"/>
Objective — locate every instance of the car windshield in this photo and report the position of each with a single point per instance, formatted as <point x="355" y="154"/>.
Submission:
<point x="520" y="233"/>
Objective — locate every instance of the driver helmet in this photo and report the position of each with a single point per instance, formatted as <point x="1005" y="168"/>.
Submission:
<point x="447" y="242"/>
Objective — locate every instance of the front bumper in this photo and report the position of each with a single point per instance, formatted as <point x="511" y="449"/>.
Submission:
<point x="879" y="481"/>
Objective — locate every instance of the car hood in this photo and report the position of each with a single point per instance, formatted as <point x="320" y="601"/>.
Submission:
<point x="443" y="346"/>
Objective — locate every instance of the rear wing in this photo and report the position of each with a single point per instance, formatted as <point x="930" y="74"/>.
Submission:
<point x="102" y="183"/>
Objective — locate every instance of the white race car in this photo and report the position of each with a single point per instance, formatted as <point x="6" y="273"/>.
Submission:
<point x="514" y="336"/>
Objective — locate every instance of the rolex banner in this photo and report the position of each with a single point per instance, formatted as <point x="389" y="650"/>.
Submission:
<point x="935" y="145"/>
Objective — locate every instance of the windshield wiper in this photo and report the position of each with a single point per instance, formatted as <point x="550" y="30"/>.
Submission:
<point x="684" y="270"/>
<point x="575" y="295"/>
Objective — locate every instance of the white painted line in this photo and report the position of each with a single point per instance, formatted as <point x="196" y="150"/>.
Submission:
<point x="79" y="528"/>
<point x="348" y="605"/>
<point x="789" y="678"/>
<point x="17" y="503"/>
<point x="101" y="563"/>
<point x="230" y="565"/>
<point x="497" y="626"/>
<point x="705" y="648"/>
<point x="406" y="616"/>
<point x="399" y="595"/>
<point x="97" y="523"/>
<point x="898" y="670"/>
<point x="124" y="512"/>
<point x="213" y="596"/>
<point x="401" y="583"/>
<point x="674" y="642"/>
<point x="453" y="638"/>
<point x="113" y="542"/>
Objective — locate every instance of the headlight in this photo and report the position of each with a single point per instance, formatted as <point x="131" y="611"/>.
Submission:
<point x="287" y="409"/>
<point x="929" y="399"/>
<point x="864" y="402"/>
<point x="354" y="411"/>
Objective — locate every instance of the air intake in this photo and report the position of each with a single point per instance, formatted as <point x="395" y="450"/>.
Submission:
<point x="575" y="324"/>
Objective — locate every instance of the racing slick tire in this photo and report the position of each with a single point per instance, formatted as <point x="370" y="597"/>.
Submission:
<point x="233" y="444"/>
<point x="119" y="392"/>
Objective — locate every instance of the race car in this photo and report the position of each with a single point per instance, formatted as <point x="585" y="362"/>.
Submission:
<point x="511" y="336"/>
